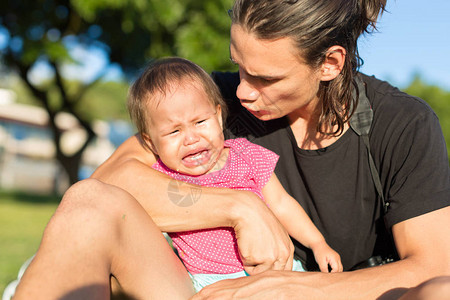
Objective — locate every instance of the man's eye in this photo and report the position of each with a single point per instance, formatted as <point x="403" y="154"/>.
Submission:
<point x="267" y="80"/>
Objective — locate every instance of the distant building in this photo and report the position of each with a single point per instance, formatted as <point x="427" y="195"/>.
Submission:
<point x="27" y="151"/>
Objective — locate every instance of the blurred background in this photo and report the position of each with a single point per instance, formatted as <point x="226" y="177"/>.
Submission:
<point x="65" y="67"/>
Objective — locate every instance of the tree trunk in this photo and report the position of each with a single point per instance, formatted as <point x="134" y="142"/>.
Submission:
<point x="70" y="164"/>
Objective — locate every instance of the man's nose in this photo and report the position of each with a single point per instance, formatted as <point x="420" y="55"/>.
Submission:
<point x="246" y="91"/>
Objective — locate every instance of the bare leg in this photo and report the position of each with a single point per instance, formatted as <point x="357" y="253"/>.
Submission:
<point x="437" y="288"/>
<point x="97" y="231"/>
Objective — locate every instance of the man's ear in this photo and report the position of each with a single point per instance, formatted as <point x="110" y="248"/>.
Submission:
<point x="148" y="142"/>
<point x="333" y="63"/>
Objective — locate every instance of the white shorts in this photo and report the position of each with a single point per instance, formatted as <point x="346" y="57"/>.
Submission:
<point x="202" y="280"/>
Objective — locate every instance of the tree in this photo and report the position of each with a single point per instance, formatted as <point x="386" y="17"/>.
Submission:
<point x="129" y="32"/>
<point x="438" y="99"/>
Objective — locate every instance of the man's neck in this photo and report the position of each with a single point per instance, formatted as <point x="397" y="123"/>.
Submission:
<point x="307" y="136"/>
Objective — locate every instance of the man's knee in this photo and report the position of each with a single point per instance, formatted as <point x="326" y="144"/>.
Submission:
<point x="89" y="211"/>
<point x="91" y="195"/>
<point x="88" y="202"/>
<point x="437" y="286"/>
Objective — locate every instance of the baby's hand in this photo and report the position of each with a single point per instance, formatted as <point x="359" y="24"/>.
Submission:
<point x="325" y="256"/>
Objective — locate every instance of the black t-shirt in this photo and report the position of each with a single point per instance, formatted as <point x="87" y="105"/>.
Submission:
<point x="334" y="184"/>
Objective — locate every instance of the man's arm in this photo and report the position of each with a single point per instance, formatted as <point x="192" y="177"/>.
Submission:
<point x="129" y="168"/>
<point x="422" y="243"/>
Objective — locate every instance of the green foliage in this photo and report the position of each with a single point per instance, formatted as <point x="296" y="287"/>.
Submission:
<point x="22" y="92"/>
<point x="132" y="32"/>
<point x="36" y="30"/>
<point x="205" y="44"/>
<point x="438" y="99"/>
<point x="105" y="101"/>
<point x="136" y="31"/>
<point x="129" y="32"/>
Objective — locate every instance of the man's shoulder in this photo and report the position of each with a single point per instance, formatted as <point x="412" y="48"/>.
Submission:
<point x="383" y="95"/>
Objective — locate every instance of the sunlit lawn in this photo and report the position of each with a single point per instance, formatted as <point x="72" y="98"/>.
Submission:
<point x="23" y="219"/>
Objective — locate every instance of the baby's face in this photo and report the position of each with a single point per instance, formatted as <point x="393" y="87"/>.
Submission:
<point x="186" y="130"/>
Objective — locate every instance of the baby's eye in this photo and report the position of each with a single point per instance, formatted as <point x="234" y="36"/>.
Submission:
<point x="201" y="122"/>
<point x="173" y="132"/>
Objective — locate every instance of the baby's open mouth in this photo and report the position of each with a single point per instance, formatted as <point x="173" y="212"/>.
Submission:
<point x="196" y="158"/>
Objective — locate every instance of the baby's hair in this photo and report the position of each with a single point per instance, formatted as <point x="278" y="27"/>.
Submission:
<point x="158" y="78"/>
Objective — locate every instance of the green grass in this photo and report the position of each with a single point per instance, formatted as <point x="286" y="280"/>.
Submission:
<point x="23" y="218"/>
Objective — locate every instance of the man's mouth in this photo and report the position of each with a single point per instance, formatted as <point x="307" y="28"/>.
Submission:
<point x="258" y="113"/>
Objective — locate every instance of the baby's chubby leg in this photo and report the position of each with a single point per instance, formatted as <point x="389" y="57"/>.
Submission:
<point x="97" y="231"/>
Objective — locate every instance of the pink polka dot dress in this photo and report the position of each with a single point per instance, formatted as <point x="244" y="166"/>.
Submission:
<point x="214" y="251"/>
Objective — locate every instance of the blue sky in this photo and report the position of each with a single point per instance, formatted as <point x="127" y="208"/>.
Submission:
<point x="413" y="37"/>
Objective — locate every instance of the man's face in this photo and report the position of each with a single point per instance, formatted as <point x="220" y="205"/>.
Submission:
<point x="275" y="80"/>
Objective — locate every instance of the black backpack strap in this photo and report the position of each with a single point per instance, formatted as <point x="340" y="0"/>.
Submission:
<point x="360" y="122"/>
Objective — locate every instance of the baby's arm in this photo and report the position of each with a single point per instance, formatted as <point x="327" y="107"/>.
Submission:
<point x="299" y="225"/>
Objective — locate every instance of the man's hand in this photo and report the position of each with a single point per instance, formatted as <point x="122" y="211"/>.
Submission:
<point x="267" y="285"/>
<point x="263" y="242"/>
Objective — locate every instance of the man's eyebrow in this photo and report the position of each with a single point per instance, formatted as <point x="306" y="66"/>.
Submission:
<point x="267" y="77"/>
